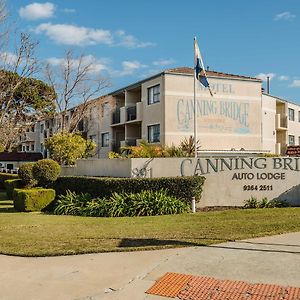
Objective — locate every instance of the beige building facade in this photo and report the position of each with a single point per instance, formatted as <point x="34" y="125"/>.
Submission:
<point x="160" y="110"/>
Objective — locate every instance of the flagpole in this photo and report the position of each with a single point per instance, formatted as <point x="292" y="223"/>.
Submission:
<point x="195" y="104"/>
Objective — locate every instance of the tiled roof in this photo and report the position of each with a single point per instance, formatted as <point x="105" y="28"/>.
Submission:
<point x="20" y="156"/>
<point x="187" y="70"/>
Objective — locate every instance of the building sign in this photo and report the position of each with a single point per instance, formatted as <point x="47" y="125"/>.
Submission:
<point x="220" y="115"/>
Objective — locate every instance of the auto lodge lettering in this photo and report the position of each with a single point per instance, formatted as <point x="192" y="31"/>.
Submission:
<point x="214" y="165"/>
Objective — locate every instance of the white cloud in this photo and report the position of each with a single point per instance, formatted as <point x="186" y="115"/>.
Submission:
<point x="285" y="16"/>
<point x="129" y="41"/>
<point x="283" y="78"/>
<point x="164" y="62"/>
<point x="263" y="76"/>
<point x="295" y="83"/>
<point x="96" y="65"/>
<point x="36" y="11"/>
<point x="81" y="36"/>
<point x="128" y="68"/>
<point x="75" y="35"/>
<point x="8" y="58"/>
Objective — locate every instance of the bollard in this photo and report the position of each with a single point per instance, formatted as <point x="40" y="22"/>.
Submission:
<point x="193" y="205"/>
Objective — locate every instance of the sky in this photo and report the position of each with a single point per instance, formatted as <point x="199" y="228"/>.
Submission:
<point x="133" y="39"/>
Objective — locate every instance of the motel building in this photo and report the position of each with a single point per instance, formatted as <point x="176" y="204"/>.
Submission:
<point x="238" y="118"/>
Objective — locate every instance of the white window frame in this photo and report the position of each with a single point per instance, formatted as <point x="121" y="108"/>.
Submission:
<point x="291" y="114"/>
<point x="291" y="140"/>
<point x="151" y="138"/>
<point x="153" y="94"/>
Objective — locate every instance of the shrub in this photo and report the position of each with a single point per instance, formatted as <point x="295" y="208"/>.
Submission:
<point x="179" y="187"/>
<point x="46" y="171"/>
<point x="145" y="203"/>
<point x="26" y="174"/>
<point x="277" y="203"/>
<point x="12" y="184"/>
<point x="265" y="203"/>
<point x="71" y="203"/>
<point x="35" y="199"/>
<point x="6" y="176"/>
<point x="251" y="203"/>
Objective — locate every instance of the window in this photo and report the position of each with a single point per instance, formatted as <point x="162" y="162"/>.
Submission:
<point x="32" y="147"/>
<point x="291" y="140"/>
<point x="154" y="94"/>
<point x="154" y="133"/>
<point x="92" y="137"/>
<point x="298" y="116"/>
<point x="291" y="114"/>
<point x="105" y="139"/>
<point x="105" y="109"/>
<point x="299" y="141"/>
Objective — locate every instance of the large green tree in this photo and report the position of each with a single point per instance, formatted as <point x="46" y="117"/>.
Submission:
<point x="66" y="147"/>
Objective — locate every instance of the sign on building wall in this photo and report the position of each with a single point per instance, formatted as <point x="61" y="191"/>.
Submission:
<point x="232" y="180"/>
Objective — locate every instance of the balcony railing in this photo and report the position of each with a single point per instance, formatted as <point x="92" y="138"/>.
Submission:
<point x="131" y="113"/>
<point x="116" y="116"/>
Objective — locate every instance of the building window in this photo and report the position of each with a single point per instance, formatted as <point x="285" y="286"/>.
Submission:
<point x="105" y="139"/>
<point x="291" y="140"/>
<point x="154" y="133"/>
<point x="291" y="114"/>
<point x="32" y="147"/>
<point x="298" y="116"/>
<point x="154" y="94"/>
<point x="92" y="138"/>
<point x="299" y="141"/>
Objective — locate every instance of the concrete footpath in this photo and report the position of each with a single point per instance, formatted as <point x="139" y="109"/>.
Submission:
<point x="128" y="275"/>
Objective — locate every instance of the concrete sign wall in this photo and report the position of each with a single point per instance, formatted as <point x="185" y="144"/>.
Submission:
<point x="229" y="181"/>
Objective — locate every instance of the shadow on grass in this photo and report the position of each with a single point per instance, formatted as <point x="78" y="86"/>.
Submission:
<point x="128" y="242"/>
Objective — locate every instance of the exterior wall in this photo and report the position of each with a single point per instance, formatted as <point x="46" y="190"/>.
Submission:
<point x="268" y="123"/>
<point x="232" y="115"/>
<point x="153" y="113"/>
<point x="294" y="126"/>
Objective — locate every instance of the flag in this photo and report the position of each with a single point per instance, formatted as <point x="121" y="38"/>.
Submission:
<point x="200" y="73"/>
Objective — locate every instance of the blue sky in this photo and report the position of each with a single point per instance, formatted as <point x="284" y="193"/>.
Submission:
<point x="135" y="38"/>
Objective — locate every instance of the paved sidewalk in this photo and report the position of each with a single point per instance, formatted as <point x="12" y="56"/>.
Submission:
<point x="274" y="260"/>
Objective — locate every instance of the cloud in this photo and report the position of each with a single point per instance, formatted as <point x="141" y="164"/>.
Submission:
<point x="163" y="62"/>
<point x="96" y="65"/>
<point x="36" y="11"/>
<point x="129" y="41"/>
<point x="128" y="68"/>
<point x="74" y="35"/>
<point x="8" y="58"/>
<point x="283" y="78"/>
<point x="285" y="16"/>
<point x="67" y="34"/>
<point x="263" y="76"/>
<point x="295" y="83"/>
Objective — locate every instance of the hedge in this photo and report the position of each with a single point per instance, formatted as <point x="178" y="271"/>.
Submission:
<point x="6" y="176"/>
<point x="179" y="187"/>
<point x="35" y="199"/>
<point x="12" y="184"/>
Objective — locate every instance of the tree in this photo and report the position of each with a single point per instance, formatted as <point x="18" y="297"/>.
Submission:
<point x="23" y="99"/>
<point x="75" y="81"/>
<point x="66" y="147"/>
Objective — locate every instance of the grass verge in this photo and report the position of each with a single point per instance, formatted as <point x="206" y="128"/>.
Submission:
<point x="36" y="234"/>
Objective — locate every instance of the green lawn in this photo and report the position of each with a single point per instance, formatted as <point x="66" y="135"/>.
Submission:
<point x="36" y="234"/>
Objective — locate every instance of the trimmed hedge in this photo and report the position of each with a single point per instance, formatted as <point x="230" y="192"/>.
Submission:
<point x="45" y="171"/>
<point x="6" y="176"/>
<point x="35" y="199"/>
<point x="25" y="173"/>
<point x="179" y="187"/>
<point x="12" y="184"/>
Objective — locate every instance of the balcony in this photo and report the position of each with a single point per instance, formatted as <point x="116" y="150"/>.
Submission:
<point x="281" y="122"/>
<point x="131" y="113"/>
<point x="116" y="116"/>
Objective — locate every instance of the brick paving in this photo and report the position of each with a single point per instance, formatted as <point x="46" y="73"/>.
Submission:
<point x="189" y="287"/>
